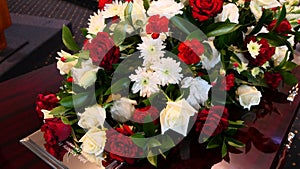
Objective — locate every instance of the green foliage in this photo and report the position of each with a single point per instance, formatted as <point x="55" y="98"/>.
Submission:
<point x="68" y="39"/>
<point x="220" y="28"/>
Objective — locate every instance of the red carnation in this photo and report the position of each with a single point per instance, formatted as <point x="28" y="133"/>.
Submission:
<point x="102" y="3"/>
<point x="140" y="114"/>
<point x="46" y="102"/>
<point x="273" y="79"/>
<point x="212" y="121"/>
<point x="265" y="52"/>
<point x="190" y="51"/>
<point x="121" y="147"/>
<point x="284" y="26"/>
<point x="227" y="82"/>
<point x="55" y="131"/>
<point x="103" y="50"/>
<point x="157" y="24"/>
<point x="205" y="9"/>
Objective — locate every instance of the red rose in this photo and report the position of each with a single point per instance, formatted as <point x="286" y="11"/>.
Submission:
<point x="102" y="3"/>
<point x="273" y="79"/>
<point x="265" y="52"/>
<point x="190" y="51"/>
<point x="47" y="102"/>
<point x="140" y="114"/>
<point x="56" y="151"/>
<point x="121" y="147"/>
<point x="157" y="24"/>
<point x="284" y="26"/>
<point x="227" y="82"/>
<point x="212" y="122"/>
<point x="205" y="9"/>
<point x="103" y="50"/>
<point x="55" y="131"/>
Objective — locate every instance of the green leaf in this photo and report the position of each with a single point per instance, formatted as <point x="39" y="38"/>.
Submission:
<point x="84" y="54"/>
<point x="214" y="142"/>
<point x="68" y="39"/>
<point x="167" y="142"/>
<point x="235" y="143"/>
<point x="236" y="124"/>
<point x="139" y="140"/>
<point x="120" y="33"/>
<point x="65" y="120"/>
<point x="181" y="23"/>
<point x="197" y="34"/>
<point x="153" y="142"/>
<point x="164" y="156"/>
<point x="58" y="111"/>
<point x="224" y="149"/>
<point x="220" y="28"/>
<point x="78" y="100"/>
<point x="127" y="12"/>
<point x="121" y="84"/>
<point x="267" y="17"/>
<point x="289" y="78"/>
<point x="289" y="66"/>
<point x="148" y="126"/>
<point x="152" y="158"/>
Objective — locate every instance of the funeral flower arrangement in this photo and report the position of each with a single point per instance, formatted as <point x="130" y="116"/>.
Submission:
<point x="152" y="73"/>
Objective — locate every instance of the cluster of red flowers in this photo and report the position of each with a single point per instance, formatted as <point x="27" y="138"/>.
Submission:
<point x="141" y="113"/>
<point x="120" y="146"/>
<point x="46" y="102"/>
<point x="190" y="51"/>
<point x="204" y="9"/>
<point x="212" y="121"/>
<point x="157" y="25"/>
<point x="55" y="131"/>
<point x="103" y="50"/>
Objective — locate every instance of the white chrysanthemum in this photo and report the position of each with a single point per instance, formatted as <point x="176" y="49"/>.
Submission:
<point x="167" y="8"/>
<point x="96" y="23"/>
<point x="116" y="8"/>
<point x="253" y="48"/>
<point x="199" y="89"/>
<point x="65" y="62"/>
<point x="151" y="50"/>
<point x="167" y="71"/>
<point x="145" y="82"/>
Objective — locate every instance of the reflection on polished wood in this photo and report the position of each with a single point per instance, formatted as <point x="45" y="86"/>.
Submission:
<point x="267" y="129"/>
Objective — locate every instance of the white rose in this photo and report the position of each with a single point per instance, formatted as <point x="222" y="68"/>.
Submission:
<point x="138" y="13"/>
<point x="86" y="75"/>
<point x="230" y="11"/>
<point x="167" y="8"/>
<point x="256" y="6"/>
<point x="209" y="63"/>
<point x="280" y="53"/>
<point x="94" y="159"/>
<point x="176" y="116"/>
<point x="69" y="62"/>
<point x="93" y="141"/>
<point x="123" y="109"/>
<point x="199" y="89"/>
<point x="248" y="96"/>
<point x="47" y="114"/>
<point x="93" y="116"/>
